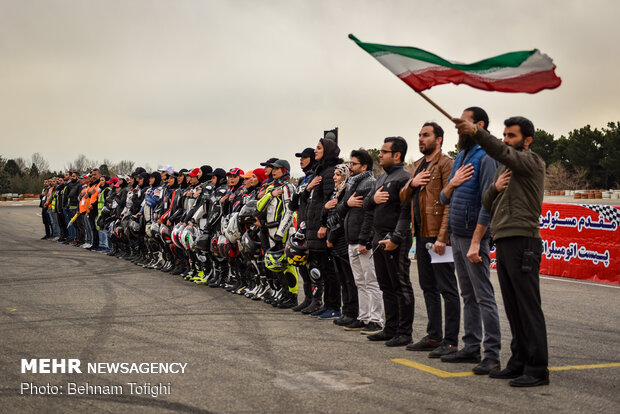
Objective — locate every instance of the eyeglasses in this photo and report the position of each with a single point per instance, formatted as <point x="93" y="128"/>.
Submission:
<point x="354" y="163"/>
<point x="386" y="151"/>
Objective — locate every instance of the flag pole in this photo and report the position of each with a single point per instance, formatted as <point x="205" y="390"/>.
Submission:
<point x="439" y="108"/>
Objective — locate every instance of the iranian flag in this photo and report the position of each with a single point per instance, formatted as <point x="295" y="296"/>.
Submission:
<point x="525" y="71"/>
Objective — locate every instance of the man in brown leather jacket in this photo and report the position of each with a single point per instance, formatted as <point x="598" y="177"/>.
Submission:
<point x="430" y="225"/>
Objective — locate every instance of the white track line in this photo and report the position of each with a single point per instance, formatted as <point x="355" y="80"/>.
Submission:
<point x="563" y="279"/>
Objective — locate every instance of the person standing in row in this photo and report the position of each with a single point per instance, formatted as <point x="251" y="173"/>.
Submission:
<point x="358" y="225"/>
<point x="392" y="240"/>
<point x="471" y="175"/>
<point x="430" y="226"/>
<point x="515" y="202"/>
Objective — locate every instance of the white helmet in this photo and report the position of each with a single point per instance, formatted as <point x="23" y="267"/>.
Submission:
<point x="232" y="231"/>
<point x="176" y="235"/>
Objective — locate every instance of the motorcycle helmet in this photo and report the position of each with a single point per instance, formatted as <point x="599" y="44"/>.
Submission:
<point x="248" y="213"/>
<point x="296" y="251"/>
<point x="176" y="235"/>
<point x="232" y="228"/>
<point x="203" y="242"/>
<point x="164" y="232"/>
<point x="275" y="260"/>
<point x="249" y="246"/>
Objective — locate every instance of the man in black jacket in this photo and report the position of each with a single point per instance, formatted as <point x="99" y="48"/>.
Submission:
<point x="70" y="205"/>
<point x="358" y="234"/>
<point x="391" y="243"/>
<point x="299" y="204"/>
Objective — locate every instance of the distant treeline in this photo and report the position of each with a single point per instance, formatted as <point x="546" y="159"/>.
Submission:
<point x="587" y="158"/>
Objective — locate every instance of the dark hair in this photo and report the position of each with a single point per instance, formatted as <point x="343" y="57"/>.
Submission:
<point x="479" y="115"/>
<point x="95" y="169"/>
<point x="526" y="126"/>
<point x="437" y="130"/>
<point x="364" y="157"/>
<point x="398" y="145"/>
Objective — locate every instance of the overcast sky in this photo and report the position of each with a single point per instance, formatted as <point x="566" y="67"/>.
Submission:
<point x="231" y="83"/>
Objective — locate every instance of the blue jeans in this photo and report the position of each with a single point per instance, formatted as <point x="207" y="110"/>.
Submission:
<point x="54" y="222"/>
<point x="87" y="229"/>
<point x="103" y="239"/>
<point x="479" y="306"/>
<point x="70" y="228"/>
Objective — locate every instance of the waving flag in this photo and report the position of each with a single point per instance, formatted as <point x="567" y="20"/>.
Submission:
<point x="526" y="71"/>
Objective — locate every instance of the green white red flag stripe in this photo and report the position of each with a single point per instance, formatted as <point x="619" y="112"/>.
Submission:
<point x="525" y="71"/>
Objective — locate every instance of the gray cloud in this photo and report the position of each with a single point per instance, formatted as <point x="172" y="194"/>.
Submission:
<point x="231" y="83"/>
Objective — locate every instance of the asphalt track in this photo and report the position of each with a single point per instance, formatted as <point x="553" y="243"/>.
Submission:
<point x="58" y="301"/>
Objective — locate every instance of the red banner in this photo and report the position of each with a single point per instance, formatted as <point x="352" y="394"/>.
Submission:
<point x="580" y="241"/>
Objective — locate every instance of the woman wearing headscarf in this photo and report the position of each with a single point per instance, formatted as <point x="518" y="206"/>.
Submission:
<point x="321" y="265"/>
<point x="338" y="247"/>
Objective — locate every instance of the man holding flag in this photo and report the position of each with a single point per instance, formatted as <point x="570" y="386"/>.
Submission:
<point x="515" y="202"/>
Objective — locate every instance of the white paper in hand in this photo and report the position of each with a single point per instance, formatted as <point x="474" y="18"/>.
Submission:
<point x="444" y="258"/>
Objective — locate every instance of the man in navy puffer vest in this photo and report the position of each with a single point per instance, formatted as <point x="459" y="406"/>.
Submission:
<point x="468" y="223"/>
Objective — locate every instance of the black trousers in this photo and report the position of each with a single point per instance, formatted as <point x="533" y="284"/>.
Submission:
<point x="46" y="222"/>
<point x="325" y="263"/>
<point x="518" y="264"/>
<point x="79" y="229"/>
<point x="436" y="281"/>
<point x="350" y="305"/>
<point x="62" y="223"/>
<point x="392" y="270"/>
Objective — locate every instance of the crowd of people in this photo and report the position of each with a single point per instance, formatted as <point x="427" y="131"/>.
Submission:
<point x="345" y="236"/>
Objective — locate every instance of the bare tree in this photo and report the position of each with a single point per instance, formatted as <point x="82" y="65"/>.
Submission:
<point x="82" y="164"/>
<point x="122" y="167"/>
<point x="40" y="162"/>
<point x="559" y="177"/>
<point x="21" y="163"/>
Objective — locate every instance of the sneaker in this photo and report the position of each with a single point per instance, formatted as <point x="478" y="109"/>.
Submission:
<point x="371" y="329"/>
<point x="344" y="320"/>
<point x="462" y="356"/>
<point x="318" y="312"/>
<point x="330" y="314"/>
<point x="443" y="349"/>
<point x="487" y="366"/>
<point x="399" y="340"/>
<point x="356" y="325"/>
<point x="424" y="344"/>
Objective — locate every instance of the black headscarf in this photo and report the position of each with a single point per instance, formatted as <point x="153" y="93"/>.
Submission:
<point x="207" y="172"/>
<point x="157" y="176"/>
<point x="330" y="153"/>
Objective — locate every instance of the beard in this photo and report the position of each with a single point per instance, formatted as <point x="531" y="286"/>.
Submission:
<point x="520" y="146"/>
<point x="466" y="142"/>
<point x="428" y="149"/>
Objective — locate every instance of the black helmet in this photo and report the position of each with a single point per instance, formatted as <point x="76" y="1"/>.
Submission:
<point x="250" y="245"/>
<point x="203" y="242"/>
<point x="248" y="213"/>
<point x="296" y="250"/>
